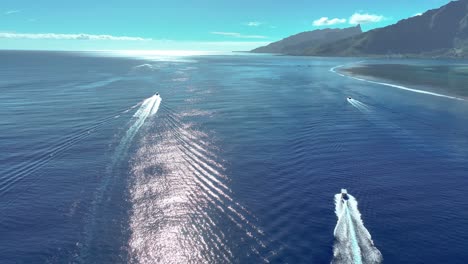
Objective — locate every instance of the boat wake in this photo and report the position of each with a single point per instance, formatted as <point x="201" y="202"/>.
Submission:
<point x="182" y="207"/>
<point x="359" y="105"/>
<point x="43" y="156"/>
<point x="375" y="117"/>
<point x="353" y="242"/>
<point x="148" y="108"/>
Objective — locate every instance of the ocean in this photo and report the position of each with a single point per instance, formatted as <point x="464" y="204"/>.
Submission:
<point x="114" y="157"/>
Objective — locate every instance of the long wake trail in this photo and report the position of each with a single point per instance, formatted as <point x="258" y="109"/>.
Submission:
<point x="353" y="242"/>
<point x="148" y="108"/>
<point x="360" y="106"/>
<point x="181" y="209"/>
<point x="43" y="157"/>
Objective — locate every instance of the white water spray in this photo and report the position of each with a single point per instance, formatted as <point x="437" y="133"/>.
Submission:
<point x="359" y="105"/>
<point x="149" y="107"/>
<point x="353" y="242"/>
<point x="52" y="151"/>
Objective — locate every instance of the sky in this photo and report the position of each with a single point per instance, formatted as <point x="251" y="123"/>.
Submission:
<point x="207" y="25"/>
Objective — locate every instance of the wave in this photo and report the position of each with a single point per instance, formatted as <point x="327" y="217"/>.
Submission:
<point x="183" y="209"/>
<point x="195" y="112"/>
<point x="353" y="242"/>
<point x="145" y="68"/>
<point x="333" y="69"/>
<point x="148" y="108"/>
<point x="409" y="89"/>
<point x="398" y="125"/>
<point x="43" y="157"/>
<point x="98" y="84"/>
<point x="395" y="86"/>
<point x="359" y="105"/>
<point x="379" y="119"/>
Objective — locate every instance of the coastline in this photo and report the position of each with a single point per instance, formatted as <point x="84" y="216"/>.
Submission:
<point x="422" y="79"/>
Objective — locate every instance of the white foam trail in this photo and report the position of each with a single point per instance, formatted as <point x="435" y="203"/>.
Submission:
<point x="177" y="211"/>
<point x="341" y="66"/>
<point x="353" y="242"/>
<point x="149" y="107"/>
<point x="99" y="84"/>
<point x="156" y="105"/>
<point x="146" y="107"/>
<point x="145" y="67"/>
<point x="359" y="105"/>
<point x="37" y="162"/>
<point x="394" y="85"/>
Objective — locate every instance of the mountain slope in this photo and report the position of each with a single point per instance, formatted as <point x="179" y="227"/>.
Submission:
<point x="438" y="32"/>
<point x="299" y="43"/>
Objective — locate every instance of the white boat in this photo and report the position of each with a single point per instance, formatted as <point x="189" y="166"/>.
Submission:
<point x="344" y="195"/>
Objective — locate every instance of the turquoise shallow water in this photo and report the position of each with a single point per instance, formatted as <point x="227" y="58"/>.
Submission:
<point x="240" y="163"/>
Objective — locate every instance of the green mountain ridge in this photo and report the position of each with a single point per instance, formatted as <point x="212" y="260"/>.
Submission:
<point x="441" y="32"/>
<point x="299" y="43"/>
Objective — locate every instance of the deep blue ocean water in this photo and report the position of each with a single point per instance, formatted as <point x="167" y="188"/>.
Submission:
<point x="240" y="163"/>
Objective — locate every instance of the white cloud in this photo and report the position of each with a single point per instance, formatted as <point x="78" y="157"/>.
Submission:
<point x="358" y="18"/>
<point x="325" y="21"/>
<point x="417" y="14"/>
<point x="67" y="36"/>
<point x="9" y="12"/>
<point x="237" y="35"/>
<point x="253" y="24"/>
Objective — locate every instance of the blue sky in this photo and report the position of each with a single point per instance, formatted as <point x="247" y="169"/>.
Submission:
<point x="185" y="24"/>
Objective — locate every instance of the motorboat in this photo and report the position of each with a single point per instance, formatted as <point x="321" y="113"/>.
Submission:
<point x="344" y="195"/>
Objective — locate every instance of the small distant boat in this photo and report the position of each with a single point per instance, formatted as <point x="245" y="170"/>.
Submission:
<point x="349" y="98"/>
<point x="344" y="195"/>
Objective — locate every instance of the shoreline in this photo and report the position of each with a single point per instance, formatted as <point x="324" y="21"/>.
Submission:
<point x="362" y="73"/>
